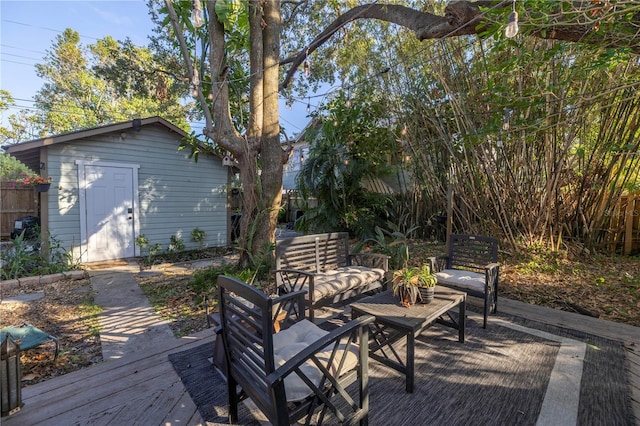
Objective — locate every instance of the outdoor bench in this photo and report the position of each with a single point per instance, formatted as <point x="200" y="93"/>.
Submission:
<point x="322" y="265"/>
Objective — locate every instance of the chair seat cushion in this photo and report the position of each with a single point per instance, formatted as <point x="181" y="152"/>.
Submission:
<point x="289" y="342"/>
<point x="330" y="283"/>
<point x="463" y="279"/>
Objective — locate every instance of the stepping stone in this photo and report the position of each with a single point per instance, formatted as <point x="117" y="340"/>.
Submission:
<point x="23" y="298"/>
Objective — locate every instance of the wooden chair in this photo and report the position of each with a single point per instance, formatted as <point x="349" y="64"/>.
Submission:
<point x="471" y="266"/>
<point x="301" y="373"/>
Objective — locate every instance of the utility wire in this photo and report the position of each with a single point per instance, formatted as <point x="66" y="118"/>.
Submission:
<point x="45" y="28"/>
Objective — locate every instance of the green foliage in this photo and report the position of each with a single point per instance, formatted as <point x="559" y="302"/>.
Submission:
<point x="25" y="258"/>
<point x="391" y="242"/>
<point x="90" y="312"/>
<point x="349" y="147"/>
<point x="142" y="241"/>
<point x="407" y="282"/>
<point x="106" y="82"/>
<point x="152" y="250"/>
<point x="5" y="100"/>
<point x="60" y="260"/>
<point x="198" y="236"/>
<point x="537" y="258"/>
<point x="19" y="260"/>
<point x="233" y="14"/>
<point x="419" y="277"/>
<point x="205" y="282"/>
<point x="12" y="170"/>
<point x="175" y="244"/>
<point x="261" y="263"/>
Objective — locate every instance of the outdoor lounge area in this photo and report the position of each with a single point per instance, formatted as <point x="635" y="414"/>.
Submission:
<point x="320" y="212"/>
<point x="530" y="365"/>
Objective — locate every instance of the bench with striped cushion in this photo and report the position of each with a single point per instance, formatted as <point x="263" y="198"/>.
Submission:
<point x="322" y="265"/>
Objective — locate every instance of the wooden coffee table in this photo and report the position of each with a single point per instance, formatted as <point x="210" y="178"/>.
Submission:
<point x="394" y="321"/>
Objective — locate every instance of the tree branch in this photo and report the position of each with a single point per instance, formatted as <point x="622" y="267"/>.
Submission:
<point x="464" y="18"/>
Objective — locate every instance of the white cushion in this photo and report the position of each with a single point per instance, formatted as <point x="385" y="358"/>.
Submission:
<point x="330" y="283"/>
<point x="289" y="342"/>
<point x="463" y="279"/>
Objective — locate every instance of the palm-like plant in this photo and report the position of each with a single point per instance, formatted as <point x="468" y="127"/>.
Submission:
<point x="347" y="147"/>
<point x="407" y="282"/>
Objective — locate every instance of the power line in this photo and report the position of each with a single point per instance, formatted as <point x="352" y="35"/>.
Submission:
<point x="22" y="48"/>
<point x="16" y="62"/>
<point x="20" y="56"/>
<point x="45" y="28"/>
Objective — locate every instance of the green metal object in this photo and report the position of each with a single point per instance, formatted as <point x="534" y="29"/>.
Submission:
<point x="28" y="336"/>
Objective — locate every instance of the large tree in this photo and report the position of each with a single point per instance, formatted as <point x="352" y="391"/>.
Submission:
<point x="105" y="82"/>
<point x="256" y="144"/>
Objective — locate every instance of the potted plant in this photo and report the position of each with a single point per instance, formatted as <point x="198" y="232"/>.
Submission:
<point x="426" y="284"/>
<point x="413" y="284"/>
<point x="40" y="184"/>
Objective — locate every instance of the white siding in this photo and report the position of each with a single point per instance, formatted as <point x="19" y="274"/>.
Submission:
<point x="176" y="194"/>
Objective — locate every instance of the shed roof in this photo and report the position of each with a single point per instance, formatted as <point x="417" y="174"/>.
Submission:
<point x="29" y="152"/>
<point x="136" y="124"/>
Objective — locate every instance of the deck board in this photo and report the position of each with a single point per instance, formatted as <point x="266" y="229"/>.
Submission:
<point x="143" y="389"/>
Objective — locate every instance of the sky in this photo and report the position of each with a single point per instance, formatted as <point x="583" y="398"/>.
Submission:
<point x="28" y="28"/>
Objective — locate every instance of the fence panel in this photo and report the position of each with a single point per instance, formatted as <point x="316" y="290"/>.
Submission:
<point x="16" y="201"/>
<point x="623" y="235"/>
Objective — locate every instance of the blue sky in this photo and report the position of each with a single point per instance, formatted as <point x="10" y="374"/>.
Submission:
<point x="28" y="28"/>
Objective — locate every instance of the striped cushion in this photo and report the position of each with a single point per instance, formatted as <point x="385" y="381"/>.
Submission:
<point x="289" y="342"/>
<point x="330" y="283"/>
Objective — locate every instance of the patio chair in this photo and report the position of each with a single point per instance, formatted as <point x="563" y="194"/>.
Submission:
<point x="471" y="266"/>
<point x="29" y="336"/>
<point x="298" y="374"/>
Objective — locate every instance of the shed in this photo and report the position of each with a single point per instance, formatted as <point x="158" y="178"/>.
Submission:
<point x="116" y="182"/>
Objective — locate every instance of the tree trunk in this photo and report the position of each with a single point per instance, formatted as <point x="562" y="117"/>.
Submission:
<point x="261" y="169"/>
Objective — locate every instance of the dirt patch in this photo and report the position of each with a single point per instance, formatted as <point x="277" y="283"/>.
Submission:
<point x="64" y="310"/>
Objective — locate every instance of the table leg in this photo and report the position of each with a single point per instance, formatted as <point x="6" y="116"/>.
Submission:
<point x="410" y="365"/>
<point x="462" y="321"/>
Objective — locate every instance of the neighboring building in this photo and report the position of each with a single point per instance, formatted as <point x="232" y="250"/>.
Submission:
<point x="115" y="182"/>
<point x="292" y="168"/>
<point x="396" y="183"/>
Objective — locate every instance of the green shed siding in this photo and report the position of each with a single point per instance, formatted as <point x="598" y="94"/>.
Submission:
<point x="175" y="194"/>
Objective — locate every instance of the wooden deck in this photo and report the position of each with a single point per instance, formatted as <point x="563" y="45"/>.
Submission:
<point x="143" y="389"/>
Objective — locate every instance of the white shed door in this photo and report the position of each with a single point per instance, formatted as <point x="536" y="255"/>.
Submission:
<point x="109" y="209"/>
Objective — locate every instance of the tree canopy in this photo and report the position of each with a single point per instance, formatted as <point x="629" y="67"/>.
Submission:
<point x="105" y="82"/>
<point x="450" y="92"/>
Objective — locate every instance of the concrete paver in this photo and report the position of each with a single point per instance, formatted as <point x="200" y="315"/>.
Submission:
<point x="128" y="323"/>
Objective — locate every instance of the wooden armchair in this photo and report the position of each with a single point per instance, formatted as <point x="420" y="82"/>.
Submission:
<point x="471" y="266"/>
<point x="300" y="373"/>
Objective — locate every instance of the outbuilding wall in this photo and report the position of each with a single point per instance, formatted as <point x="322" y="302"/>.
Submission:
<point x="175" y="194"/>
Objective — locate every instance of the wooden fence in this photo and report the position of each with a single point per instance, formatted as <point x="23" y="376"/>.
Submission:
<point x="623" y="235"/>
<point x="16" y="200"/>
